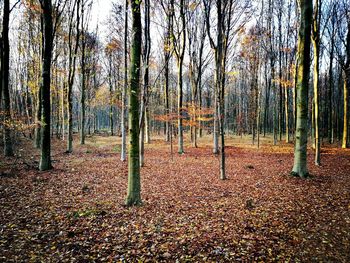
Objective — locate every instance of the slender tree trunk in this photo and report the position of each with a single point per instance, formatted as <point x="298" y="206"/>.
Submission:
<point x="295" y="99"/>
<point x="346" y="69"/>
<point x="167" y="112"/>
<point x="280" y="108"/>
<point x="144" y="108"/>
<point x="45" y="159"/>
<point x="110" y="115"/>
<point x="123" y="115"/>
<point x="167" y="44"/>
<point x="83" y="80"/>
<point x="134" y="184"/>
<point x="147" y="126"/>
<point x="72" y="63"/>
<point x="179" y="108"/>
<point x="6" y="103"/>
<point x="180" y="52"/>
<point x="286" y="109"/>
<point x="304" y="39"/>
<point x="200" y="125"/>
<point x="345" y="119"/>
<point x="316" y="46"/>
<point x="331" y="80"/>
<point x="57" y="110"/>
<point x="215" y="125"/>
<point x="37" y="121"/>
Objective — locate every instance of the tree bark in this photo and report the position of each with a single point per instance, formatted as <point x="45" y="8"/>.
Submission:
<point x="125" y="87"/>
<point x="45" y="159"/>
<point x="345" y="119"/>
<point x="83" y="80"/>
<point x="144" y="109"/>
<point x="134" y="184"/>
<point x="72" y="63"/>
<point x="304" y="39"/>
<point x="5" y="64"/>
<point x="180" y="52"/>
<point x="346" y="69"/>
<point x="316" y="47"/>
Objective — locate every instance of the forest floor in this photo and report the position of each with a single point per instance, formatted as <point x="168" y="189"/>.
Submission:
<point x="75" y="212"/>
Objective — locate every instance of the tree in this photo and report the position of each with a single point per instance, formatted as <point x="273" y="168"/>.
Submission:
<point x="346" y="69"/>
<point x="5" y="61"/>
<point x="45" y="159"/>
<point x="179" y="43"/>
<point x="304" y="41"/>
<point x="315" y="36"/>
<point x="73" y="51"/>
<point x="123" y="115"/>
<point x="84" y="38"/>
<point x="220" y="46"/>
<point x="167" y="55"/>
<point x="331" y="29"/>
<point x="196" y="35"/>
<point x="134" y="184"/>
<point x="145" y="58"/>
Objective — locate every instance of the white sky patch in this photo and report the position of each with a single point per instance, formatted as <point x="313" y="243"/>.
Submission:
<point x="100" y="11"/>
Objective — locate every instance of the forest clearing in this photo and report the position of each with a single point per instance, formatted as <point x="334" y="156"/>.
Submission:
<point x="260" y="213"/>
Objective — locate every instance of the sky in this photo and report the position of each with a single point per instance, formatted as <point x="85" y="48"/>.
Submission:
<point x="100" y="11"/>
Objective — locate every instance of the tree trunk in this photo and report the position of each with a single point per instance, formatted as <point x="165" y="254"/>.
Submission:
<point x="304" y="39"/>
<point x="180" y="58"/>
<point x="125" y="87"/>
<point x="45" y="159"/>
<point x="144" y="108"/>
<point x="286" y="112"/>
<point x="280" y="108"/>
<point x="147" y="126"/>
<point x="72" y="63"/>
<point x="167" y="44"/>
<point x="5" y="64"/>
<point x="346" y="69"/>
<point x="316" y="46"/>
<point x="83" y="80"/>
<point x="134" y="184"/>
<point x="331" y="80"/>
<point x="37" y="121"/>
<point x="345" y="119"/>
<point x="215" y="126"/>
<point x="110" y="115"/>
<point x="179" y="107"/>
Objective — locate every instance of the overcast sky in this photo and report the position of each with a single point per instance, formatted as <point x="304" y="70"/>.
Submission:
<point x="99" y="13"/>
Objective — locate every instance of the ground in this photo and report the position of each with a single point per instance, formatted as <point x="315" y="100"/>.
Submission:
<point x="75" y="212"/>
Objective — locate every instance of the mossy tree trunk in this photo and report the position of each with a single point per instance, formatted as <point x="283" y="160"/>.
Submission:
<point x="134" y="184"/>
<point x="304" y="41"/>
<point x="346" y="68"/>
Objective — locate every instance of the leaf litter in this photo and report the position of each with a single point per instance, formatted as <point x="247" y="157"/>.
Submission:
<point x="75" y="213"/>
